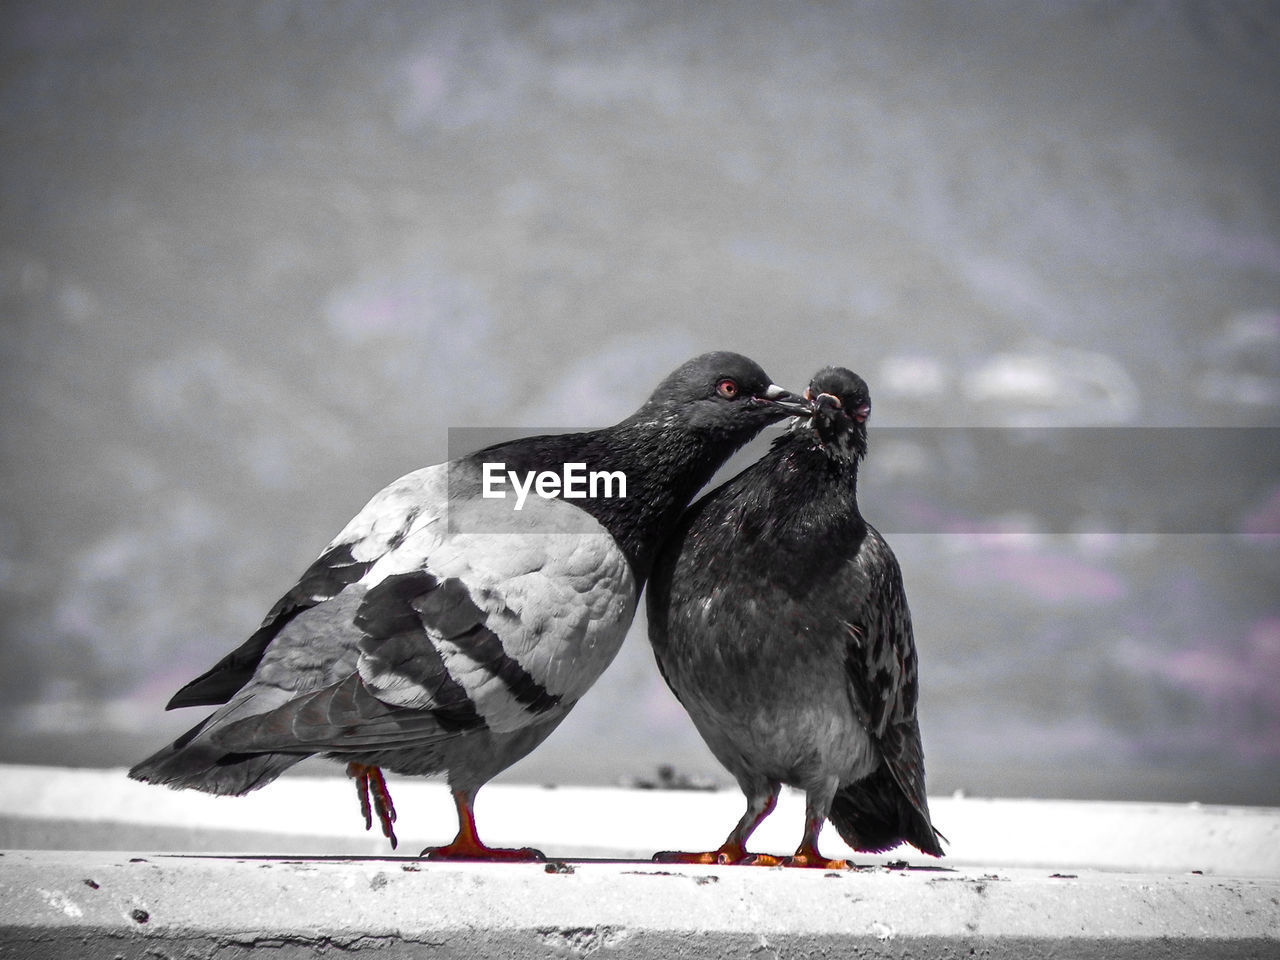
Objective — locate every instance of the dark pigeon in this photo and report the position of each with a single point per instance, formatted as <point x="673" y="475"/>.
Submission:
<point x="442" y="631"/>
<point x="778" y="618"/>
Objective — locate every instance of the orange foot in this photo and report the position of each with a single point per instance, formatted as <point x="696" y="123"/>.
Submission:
<point x="728" y="855"/>
<point x="467" y="845"/>
<point x="807" y="855"/>
<point x="475" y="850"/>
<point x="815" y="861"/>
<point x="370" y="782"/>
<point x="763" y="860"/>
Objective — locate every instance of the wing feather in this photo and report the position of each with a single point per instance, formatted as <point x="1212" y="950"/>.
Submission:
<point x="882" y="667"/>
<point x="384" y="522"/>
<point x="445" y="632"/>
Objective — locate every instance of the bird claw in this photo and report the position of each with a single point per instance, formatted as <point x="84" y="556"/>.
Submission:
<point x="724" y="857"/>
<point x="738" y="857"/>
<point x="370" y="783"/>
<point x="680" y="856"/>
<point x="478" y="851"/>
<point x="762" y="860"/>
<point x="814" y="862"/>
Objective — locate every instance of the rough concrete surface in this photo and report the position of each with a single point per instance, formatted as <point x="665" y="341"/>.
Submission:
<point x="46" y="808"/>
<point x="112" y="905"/>
<point x="1022" y="878"/>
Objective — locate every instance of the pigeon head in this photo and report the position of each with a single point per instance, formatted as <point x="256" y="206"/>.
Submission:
<point x="841" y="404"/>
<point x="722" y="394"/>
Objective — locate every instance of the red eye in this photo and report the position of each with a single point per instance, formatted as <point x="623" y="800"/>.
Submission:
<point x="727" y="389"/>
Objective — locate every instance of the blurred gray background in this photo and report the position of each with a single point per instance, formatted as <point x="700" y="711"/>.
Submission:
<point x="257" y="257"/>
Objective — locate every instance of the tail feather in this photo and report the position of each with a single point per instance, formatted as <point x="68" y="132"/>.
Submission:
<point x="873" y="816"/>
<point x="192" y="762"/>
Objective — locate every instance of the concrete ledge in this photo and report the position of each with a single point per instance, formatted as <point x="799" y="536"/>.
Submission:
<point x="300" y="877"/>
<point x="112" y="906"/>
<point x="56" y="808"/>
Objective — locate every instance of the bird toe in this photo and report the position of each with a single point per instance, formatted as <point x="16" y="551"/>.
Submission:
<point x="814" y="862"/>
<point x="481" y="852"/>
<point x="761" y="860"/>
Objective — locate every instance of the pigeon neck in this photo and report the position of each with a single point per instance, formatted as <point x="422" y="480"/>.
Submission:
<point x="664" y="464"/>
<point x="816" y="482"/>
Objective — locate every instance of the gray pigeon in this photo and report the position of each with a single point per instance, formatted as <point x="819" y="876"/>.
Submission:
<point x="778" y="619"/>
<point x="453" y="624"/>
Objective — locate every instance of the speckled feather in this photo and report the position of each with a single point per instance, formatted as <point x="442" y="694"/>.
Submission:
<point x="778" y="617"/>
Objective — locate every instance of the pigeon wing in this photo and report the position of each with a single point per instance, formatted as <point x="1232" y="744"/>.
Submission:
<point x="383" y="523"/>
<point x="881" y="665"/>
<point x="460" y="630"/>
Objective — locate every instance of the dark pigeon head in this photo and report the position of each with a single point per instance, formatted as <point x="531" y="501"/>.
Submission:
<point x="841" y="404"/>
<point x="722" y="393"/>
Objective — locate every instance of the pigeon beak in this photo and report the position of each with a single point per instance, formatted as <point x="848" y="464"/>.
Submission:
<point x="775" y="396"/>
<point x="860" y="414"/>
<point x="827" y="400"/>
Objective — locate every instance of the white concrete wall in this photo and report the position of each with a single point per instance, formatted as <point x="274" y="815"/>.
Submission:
<point x="300" y="878"/>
